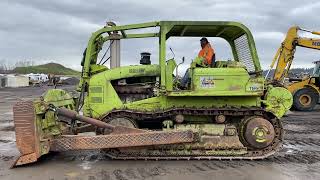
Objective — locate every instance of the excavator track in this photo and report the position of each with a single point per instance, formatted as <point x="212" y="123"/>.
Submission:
<point x="172" y="152"/>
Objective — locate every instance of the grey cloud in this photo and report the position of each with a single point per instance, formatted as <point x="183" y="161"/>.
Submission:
<point x="59" y="30"/>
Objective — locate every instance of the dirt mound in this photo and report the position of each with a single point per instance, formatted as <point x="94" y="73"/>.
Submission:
<point x="49" y="68"/>
<point x="71" y="81"/>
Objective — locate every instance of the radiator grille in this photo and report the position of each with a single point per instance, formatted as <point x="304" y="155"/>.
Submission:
<point x="244" y="53"/>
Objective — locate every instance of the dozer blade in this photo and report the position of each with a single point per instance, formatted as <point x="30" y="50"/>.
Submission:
<point x="26" y="133"/>
<point x="31" y="140"/>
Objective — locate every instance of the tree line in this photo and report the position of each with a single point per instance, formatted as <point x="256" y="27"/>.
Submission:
<point x="8" y="67"/>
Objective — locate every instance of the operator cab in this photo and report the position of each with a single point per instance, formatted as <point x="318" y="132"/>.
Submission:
<point x="316" y="73"/>
<point x="223" y="76"/>
<point x="240" y="77"/>
<point x="316" y="69"/>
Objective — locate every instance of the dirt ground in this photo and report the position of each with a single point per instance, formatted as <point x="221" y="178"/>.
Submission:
<point x="299" y="158"/>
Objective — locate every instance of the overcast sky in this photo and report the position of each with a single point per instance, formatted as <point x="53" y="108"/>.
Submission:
<point x="58" y="30"/>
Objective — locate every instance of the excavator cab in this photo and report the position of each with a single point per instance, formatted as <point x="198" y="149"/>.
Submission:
<point x="316" y="69"/>
<point x="316" y="73"/>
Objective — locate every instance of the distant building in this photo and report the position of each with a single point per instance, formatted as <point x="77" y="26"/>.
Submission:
<point x="11" y="80"/>
<point x="3" y="81"/>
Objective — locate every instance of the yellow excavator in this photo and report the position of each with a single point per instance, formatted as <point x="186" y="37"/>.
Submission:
<point x="305" y="90"/>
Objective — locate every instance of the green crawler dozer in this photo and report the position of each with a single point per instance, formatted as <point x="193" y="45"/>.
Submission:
<point x="140" y="112"/>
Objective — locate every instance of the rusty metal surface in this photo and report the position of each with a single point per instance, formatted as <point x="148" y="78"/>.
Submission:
<point x="107" y="126"/>
<point x="254" y="124"/>
<point x="26" y="135"/>
<point x="25" y="159"/>
<point x="72" y="142"/>
<point x="127" y="130"/>
<point x="134" y="89"/>
<point x="74" y="115"/>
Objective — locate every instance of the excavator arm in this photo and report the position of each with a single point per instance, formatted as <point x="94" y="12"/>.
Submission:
<point x="285" y="54"/>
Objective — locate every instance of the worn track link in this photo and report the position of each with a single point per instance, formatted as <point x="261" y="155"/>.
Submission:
<point x="166" y="154"/>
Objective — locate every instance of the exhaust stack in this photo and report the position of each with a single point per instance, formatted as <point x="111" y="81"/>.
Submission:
<point x="114" y="47"/>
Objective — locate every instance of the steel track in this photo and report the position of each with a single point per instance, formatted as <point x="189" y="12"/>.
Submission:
<point x="166" y="154"/>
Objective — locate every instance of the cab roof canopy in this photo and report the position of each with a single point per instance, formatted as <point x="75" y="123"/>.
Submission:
<point x="224" y="29"/>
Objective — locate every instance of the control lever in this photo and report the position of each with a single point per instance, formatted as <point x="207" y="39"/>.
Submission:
<point x="172" y="53"/>
<point x="183" y="58"/>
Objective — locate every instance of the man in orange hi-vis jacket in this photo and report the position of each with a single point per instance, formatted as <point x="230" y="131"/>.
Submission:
<point x="206" y="56"/>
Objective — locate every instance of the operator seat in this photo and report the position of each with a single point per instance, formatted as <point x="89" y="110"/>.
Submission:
<point x="213" y="61"/>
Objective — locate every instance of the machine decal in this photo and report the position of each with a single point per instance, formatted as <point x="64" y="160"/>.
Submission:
<point x="96" y="89"/>
<point x="140" y="70"/>
<point x="316" y="43"/>
<point x="206" y="82"/>
<point x="255" y="87"/>
<point x="96" y="100"/>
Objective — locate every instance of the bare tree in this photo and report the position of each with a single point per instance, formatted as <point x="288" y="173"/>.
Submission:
<point x="6" y="66"/>
<point x="3" y="66"/>
<point x="24" y="63"/>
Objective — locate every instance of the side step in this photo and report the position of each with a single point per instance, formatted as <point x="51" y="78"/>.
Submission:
<point x="78" y="142"/>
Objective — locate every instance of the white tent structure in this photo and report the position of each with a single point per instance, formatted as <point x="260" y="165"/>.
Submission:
<point x="14" y="81"/>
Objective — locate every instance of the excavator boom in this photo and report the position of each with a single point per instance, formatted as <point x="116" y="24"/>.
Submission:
<point x="285" y="54"/>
